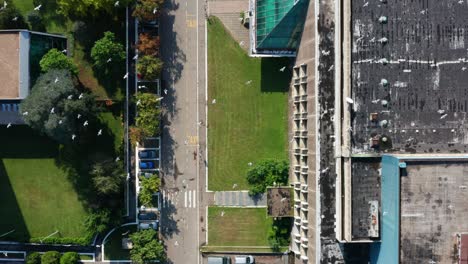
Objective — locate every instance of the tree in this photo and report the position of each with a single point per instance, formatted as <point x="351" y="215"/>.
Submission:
<point x="80" y="8"/>
<point x="35" y="20"/>
<point x="70" y="258"/>
<point x="267" y="173"/>
<point x="52" y="107"/>
<point x="149" y="67"/>
<point x="51" y="257"/>
<point x="55" y="59"/>
<point x="149" y="186"/>
<point x="33" y="258"/>
<point x="148" y="114"/>
<point x="107" y="48"/>
<point x="136" y="134"/>
<point x="98" y="222"/>
<point x="11" y="18"/>
<point x="146" y="247"/>
<point x="147" y="10"/>
<point x="148" y="45"/>
<point x="108" y="177"/>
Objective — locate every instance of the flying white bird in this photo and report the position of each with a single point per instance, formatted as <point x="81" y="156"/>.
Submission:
<point x="366" y="4"/>
<point x="214" y="101"/>
<point x="165" y="91"/>
<point x="248" y="82"/>
<point x="116" y="3"/>
<point x="52" y="111"/>
<point x="109" y="60"/>
<point x="81" y="96"/>
<point x="64" y="51"/>
<point x="73" y="137"/>
<point x="222" y="213"/>
<point x="25" y="113"/>
<point x="15" y="19"/>
<point x="349" y="100"/>
<point x="282" y="69"/>
<point x="135" y="57"/>
<point x="85" y="123"/>
<point x="241" y="43"/>
<point x="60" y="122"/>
<point x="70" y="97"/>
<point x="138" y="102"/>
<point x="99" y="132"/>
<point x="159" y="99"/>
<point x="9" y="125"/>
<point x="117" y="159"/>
<point x="78" y="116"/>
<point x="250" y="163"/>
<point x="126" y="76"/>
<point x="5" y="4"/>
<point x="283" y="199"/>
<point x="234" y="185"/>
<point x="56" y="80"/>
<point x="155" y="10"/>
<point x="37" y="8"/>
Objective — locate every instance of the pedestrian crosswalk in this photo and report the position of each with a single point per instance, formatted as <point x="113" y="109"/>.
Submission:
<point x="187" y="198"/>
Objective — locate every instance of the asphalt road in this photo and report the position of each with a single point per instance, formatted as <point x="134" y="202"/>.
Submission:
<point x="183" y="138"/>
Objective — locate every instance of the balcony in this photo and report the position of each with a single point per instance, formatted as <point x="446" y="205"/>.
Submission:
<point x="297" y="98"/>
<point x="297" y="151"/>
<point x="305" y="222"/>
<point x="297" y="220"/>
<point x="304" y="189"/>
<point x="304" y="257"/>
<point x="297" y="116"/>
<point x="304" y="115"/>
<point x="304" y="151"/>
<point x="297" y="168"/>
<point x="305" y="227"/>
<point x="297" y="81"/>
<point x="297" y="133"/>
<point x="304" y="79"/>
<point x="304" y="133"/>
<point x="304" y="97"/>
<point x="305" y="169"/>
<point x="305" y="245"/>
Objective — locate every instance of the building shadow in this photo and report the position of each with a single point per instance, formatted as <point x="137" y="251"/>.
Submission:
<point x="11" y="218"/>
<point x="276" y="74"/>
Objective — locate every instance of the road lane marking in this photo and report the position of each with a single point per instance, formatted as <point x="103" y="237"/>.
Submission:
<point x="194" y="199"/>
<point x="192" y="140"/>
<point x="164" y="198"/>
<point x="191" y="23"/>
<point x="190" y="198"/>
<point x="185" y="194"/>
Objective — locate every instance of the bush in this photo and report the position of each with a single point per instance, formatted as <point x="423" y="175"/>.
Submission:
<point x="148" y="114"/>
<point x="148" y="45"/>
<point x="70" y="258"/>
<point x="98" y="222"/>
<point x="146" y="247"/>
<point x="267" y="173"/>
<point x="55" y="59"/>
<point x="149" y="67"/>
<point x="149" y="186"/>
<point x="51" y="257"/>
<point x="279" y="234"/>
<point x="33" y="258"/>
<point x="107" y="48"/>
<point x="11" y="18"/>
<point x="144" y="9"/>
<point x="136" y="135"/>
<point x="80" y="241"/>
<point x="35" y="20"/>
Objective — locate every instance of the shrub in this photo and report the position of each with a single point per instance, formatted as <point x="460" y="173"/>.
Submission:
<point x="148" y="45"/>
<point x="107" y="48"/>
<point x="81" y="241"/>
<point x="108" y="177"/>
<point x="98" y="222"/>
<point x="145" y="9"/>
<point x="146" y="247"/>
<point x="33" y="258"/>
<point x="136" y="134"/>
<point x="70" y="258"/>
<point x="148" y="187"/>
<point x="267" y="173"/>
<point x="51" y="257"/>
<point x="279" y="234"/>
<point x="149" y="67"/>
<point x="55" y="59"/>
<point x="148" y="114"/>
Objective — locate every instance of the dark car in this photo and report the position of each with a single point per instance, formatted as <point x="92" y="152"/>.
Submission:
<point x="147" y="154"/>
<point x="146" y="165"/>
<point x="147" y="216"/>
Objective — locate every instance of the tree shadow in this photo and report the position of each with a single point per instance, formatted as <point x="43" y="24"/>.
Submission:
<point x="172" y="56"/>
<point x="273" y="77"/>
<point x="169" y="226"/>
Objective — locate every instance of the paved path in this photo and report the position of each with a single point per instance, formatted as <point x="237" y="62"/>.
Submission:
<point x="239" y="199"/>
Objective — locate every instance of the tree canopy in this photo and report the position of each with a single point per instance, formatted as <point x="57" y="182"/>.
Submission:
<point x="149" y="186"/>
<point x="267" y="173"/>
<point x="147" y="10"/>
<point x="81" y="8"/>
<point x="55" y="59"/>
<point x="146" y="247"/>
<point x="148" y="114"/>
<point x="54" y="107"/>
<point x="33" y="258"/>
<point x="70" y="258"/>
<point x="107" y="48"/>
<point x="51" y="257"/>
<point x="97" y="222"/>
<point x="149" y="67"/>
<point x="11" y="18"/>
<point x="148" y="45"/>
<point x="108" y="177"/>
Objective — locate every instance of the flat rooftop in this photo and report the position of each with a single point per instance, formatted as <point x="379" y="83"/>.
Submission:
<point x="433" y="209"/>
<point x="409" y="75"/>
<point x="9" y="65"/>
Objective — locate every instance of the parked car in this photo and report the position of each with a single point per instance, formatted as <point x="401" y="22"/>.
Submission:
<point x="244" y="260"/>
<point x="219" y="260"/>
<point x="148" y="225"/>
<point x="147" y="216"/>
<point x="147" y="154"/>
<point x="146" y="165"/>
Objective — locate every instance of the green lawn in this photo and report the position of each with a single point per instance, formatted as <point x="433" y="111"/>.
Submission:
<point x="238" y="226"/>
<point x="248" y="122"/>
<point x="36" y="196"/>
<point x="113" y="246"/>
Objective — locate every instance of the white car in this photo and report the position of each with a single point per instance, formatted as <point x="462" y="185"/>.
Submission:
<point x="152" y="225"/>
<point x="244" y="260"/>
